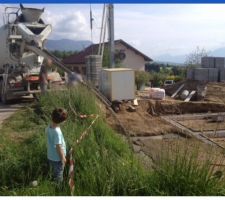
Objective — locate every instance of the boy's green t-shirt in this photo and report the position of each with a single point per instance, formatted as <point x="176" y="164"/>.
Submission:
<point x="54" y="136"/>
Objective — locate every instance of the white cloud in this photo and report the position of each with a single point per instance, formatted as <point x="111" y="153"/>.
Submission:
<point x="152" y="28"/>
<point x="174" y="32"/>
<point x="72" y="25"/>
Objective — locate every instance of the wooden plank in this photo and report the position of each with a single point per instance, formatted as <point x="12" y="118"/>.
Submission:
<point x="178" y="90"/>
<point x="190" y="96"/>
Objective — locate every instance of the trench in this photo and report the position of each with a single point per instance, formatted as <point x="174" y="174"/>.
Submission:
<point x="158" y="125"/>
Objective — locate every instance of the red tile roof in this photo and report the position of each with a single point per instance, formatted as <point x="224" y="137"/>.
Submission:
<point x="79" y="58"/>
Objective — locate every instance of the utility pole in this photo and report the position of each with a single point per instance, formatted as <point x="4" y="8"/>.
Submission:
<point x="111" y="35"/>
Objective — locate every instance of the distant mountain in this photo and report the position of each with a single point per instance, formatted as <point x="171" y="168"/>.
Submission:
<point x="180" y="59"/>
<point x="171" y="63"/>
<point x="167" y="58"/>
<point x="67" y="45"/>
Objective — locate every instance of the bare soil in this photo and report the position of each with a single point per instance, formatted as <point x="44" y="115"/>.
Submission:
<point x="220" y="141"/>
<point x="172" y="107"/>
<point x="215" y="93"/>
<point x="202" y="125"/>
<point x="146" y="123"/>
<point x="140" y="122"/>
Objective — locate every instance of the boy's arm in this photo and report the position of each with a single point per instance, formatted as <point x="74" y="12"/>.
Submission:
<point x="61" y="153"/>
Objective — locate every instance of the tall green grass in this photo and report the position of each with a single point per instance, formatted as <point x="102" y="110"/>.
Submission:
<point x="104" y="164"/>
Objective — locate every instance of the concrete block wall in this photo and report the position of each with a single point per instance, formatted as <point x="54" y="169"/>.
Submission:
<point x="201" y="74"/>
<point x="204" y="74"/>
<point x="212" y="69"/>
<point x="222" y="75"/>
<point x="219" y="62"/>
<point x="208" y="62"/>
<point x="213" y="75"/>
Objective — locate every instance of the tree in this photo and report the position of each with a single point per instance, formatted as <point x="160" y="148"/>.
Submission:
<point x="194" y="58"/>
<point x="157" y="79"/>
<point x="141" y="78"/>
<point x="152" y="67"/>
<point x="166" y="70"/>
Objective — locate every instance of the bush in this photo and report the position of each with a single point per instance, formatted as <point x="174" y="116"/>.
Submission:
<point x="141" y="78"/>
<point x="183" y="173"/>
<point x="157" y="79"/>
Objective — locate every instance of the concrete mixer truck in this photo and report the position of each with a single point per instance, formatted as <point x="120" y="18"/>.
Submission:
<point x="22" y="52"/>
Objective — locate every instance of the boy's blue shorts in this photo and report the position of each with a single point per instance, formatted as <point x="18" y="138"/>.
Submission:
<point x="57" y="169"/>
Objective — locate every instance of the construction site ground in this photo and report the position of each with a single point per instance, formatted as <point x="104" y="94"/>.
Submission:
<point x="150" y="134"/>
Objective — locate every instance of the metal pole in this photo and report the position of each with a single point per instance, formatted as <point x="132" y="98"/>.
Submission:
<point x="102" y="29"/>
<point x="111" y="35"/>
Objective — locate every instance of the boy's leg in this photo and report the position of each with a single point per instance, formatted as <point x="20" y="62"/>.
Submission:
<point x="58" y="169"/>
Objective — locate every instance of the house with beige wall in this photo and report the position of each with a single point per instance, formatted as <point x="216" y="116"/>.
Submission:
<point x="129" y="57"/>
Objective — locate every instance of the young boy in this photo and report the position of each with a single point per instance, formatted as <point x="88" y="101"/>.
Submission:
<point x="56" y="150"/>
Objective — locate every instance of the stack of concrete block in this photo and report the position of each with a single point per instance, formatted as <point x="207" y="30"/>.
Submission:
<point x="219" y="62"/>
<point x="212" y="69"/>
<point x="220" y="65"/>
<point x="213" y="74"/>
<point x="222" y="75"/>
<point x="201" y="74"/>
<point x="208" y="62"/>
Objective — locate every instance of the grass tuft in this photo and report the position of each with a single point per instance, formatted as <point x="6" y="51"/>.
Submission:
<point x="104" y="163"/>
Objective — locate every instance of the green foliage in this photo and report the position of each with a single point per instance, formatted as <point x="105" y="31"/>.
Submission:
<point x="166" y="71"/>
<point x="141" y="78"/>
<point x="157" y="79"/>
<point x="104" y="163"/>
<point x="160" y="72"/>
<point x="183" y="173"/>
<point x="178" y="78"/>
<point x="106" y="59"/>
<point x="152" y="67"/>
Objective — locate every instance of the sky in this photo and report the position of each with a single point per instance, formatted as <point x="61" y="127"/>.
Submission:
<point x="154" y="29"/>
